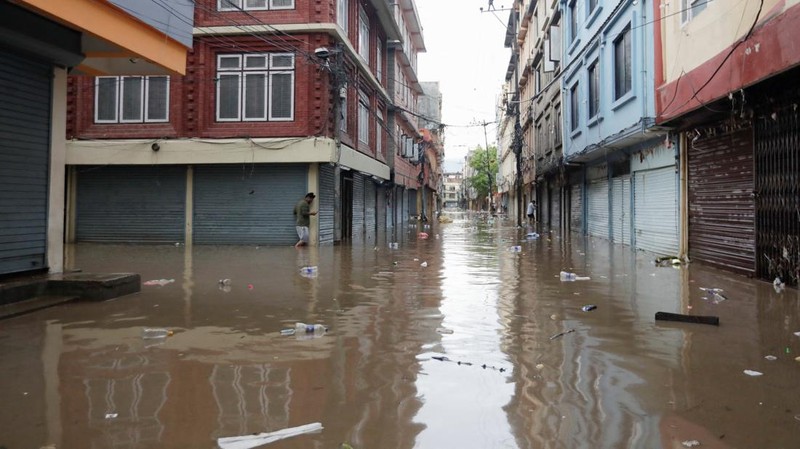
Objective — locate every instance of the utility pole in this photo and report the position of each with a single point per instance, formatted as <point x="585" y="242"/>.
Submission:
<point x="517" y="142"/>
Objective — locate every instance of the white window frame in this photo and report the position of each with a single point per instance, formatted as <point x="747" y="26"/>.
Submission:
<point x="269" y="69"/>
<point x="363" y="118"/>
<point x="241" y="5"/>
<point x="687" y="9"/>
<point x="363" y="34"/>
<point x="119" y="97"/>
<point x="342" y="14"/>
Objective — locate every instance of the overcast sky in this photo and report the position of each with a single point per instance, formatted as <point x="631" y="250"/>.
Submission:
<point x="467" y="57"/>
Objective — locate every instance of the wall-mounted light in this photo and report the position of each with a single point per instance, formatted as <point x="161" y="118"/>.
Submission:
<point x="155" y="147"/>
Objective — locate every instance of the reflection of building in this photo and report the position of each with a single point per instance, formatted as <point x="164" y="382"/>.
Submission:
<point x="452" y="195"/>
<point x="41" y="41"/>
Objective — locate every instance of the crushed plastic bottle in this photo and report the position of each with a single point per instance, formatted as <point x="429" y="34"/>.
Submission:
<point x="309" y="272"/>
<point x="225" y="282"/>
<point x="393" y="245"/>
<point x="153" y="332"/>
<point x="515" y="249"/>
<point x="588" y="307"/>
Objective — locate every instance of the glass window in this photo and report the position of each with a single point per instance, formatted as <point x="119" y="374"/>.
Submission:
<point x="379" y="134"/>
<point x="342" y="14"/>
<point x="253" y="5"/>
<point x="622" y="63"/>
<point x="594" y="90"/>
<point x="691" y="8"/>
<point x="363" y="118"/>
<point x="574" y="117"/>
<point x="573" y="21"/>
<point x="363" y="34"/>
<point x="592" y="5"/>
<point x="379" y="62"/>
<point x="131" y="99"/>
<point x="259" y="90"/>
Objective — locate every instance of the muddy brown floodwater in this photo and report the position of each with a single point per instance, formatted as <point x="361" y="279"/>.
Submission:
<point x="457" y="354"/>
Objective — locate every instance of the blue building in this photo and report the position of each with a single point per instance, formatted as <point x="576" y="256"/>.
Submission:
<point x="621" y="178"/>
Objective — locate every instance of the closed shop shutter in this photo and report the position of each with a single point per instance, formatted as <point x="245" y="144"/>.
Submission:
<point x="380" y="210"/>
<point x="24" y="162"/>
<point x="358" y="207"/>
<point x="369" y="209"/>
<point x="597" y="216"/>
<point x="326" y="203"/>
<point x="721" y="203"/>
<point x="656" y="210"/>
<point x="621" y="209"/>
<point x="412" y="202"/>
<point x="545" y="205"/>
<point x="253" y="204"/>
<point x="576" y="208"/>
<point x="131" y="203"/>
<point x="555" y="207"/>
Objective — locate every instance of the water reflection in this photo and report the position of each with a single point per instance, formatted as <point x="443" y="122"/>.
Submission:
<point x="383" y="376"/>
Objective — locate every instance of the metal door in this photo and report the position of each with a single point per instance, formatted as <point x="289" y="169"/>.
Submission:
<point x="370" y="214"/>
<point x="656" y="210"/>
<point x="555" y="207"/>
<point x="326" y="203"/>
<point x="24" y="162"/>
<point x="621" y="209"/>
<point x="597" y="213"/>
<point x="576" y="208"/>
<point x="247" y="204"/>
<point x="358" y="207"/>
<point x="131" y="204"/>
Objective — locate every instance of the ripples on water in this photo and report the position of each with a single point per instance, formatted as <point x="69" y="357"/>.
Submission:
<point x="378" y="379"/>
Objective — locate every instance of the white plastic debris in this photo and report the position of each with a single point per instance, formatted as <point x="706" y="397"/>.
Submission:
<point x="690" y="443"/>
<point x="797" y="334"/>
<point x="159" y="282"/>
<point x="111" y="415"/>
<point x="750" y="372"/>
<point x="251" y="441"/>
<point x="444" y="330"/>
<point x="423" y="264"/>
<point x="771" y="358"/>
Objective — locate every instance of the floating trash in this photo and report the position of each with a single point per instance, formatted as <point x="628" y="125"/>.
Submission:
<point x="444" y="330"/>
<point x="753" y="373"/>
<point x="158" y="282"/>
<point x="771" y="358"/>
<point x="690" y="443"/>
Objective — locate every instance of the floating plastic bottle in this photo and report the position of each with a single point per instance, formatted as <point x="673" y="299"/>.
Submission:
<point x="515" y="249"/>
<point x="303" y="328"/>
<point x="570" y="277"/>
<point x="309" y="271"/>
<point x="152" y="332"/>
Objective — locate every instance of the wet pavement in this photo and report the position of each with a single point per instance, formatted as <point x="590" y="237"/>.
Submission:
<point x="456" y="354"/>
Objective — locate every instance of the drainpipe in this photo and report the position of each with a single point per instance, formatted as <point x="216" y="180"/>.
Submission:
<point x="391" y="123"/>
<point x="683" y="217"/>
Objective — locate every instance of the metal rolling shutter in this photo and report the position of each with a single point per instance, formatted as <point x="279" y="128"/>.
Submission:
<point x="380" y="210"/>
<point x="358" y="207"/>
<point x="597" y="215"/>
<point x="24" y="162"/>
<point x="656" y="210"/>
<point x="621" y="209"/>
<point x="247" y="204"/>
<point x="721" y="203"/>
<point x="369" y="208"/>
<point x="576" y="208"/>
<point x="135" y="204"/>
<point x="555" y="207"/>
<point x="545" y="205"/>
<point x="326" y="203"/>
<point x="412" y="202"/>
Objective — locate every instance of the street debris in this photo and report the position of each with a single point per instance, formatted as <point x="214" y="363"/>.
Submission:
<point x="696" y="319"/>
<point x="797" y="334"/>
<point x="750" y="372"/>
<point x="224" y="282"/>
<point x="715" y="294"/>
<point x="570" y="277"/>
<point x="444" y="330"/>
<point x="588" y="307"/>
<point x="539" y="366"/>
<point x="666" y="261"/>
<point x="532" y="236"/>
<point x="561" y="334"/>
<point x="111" y="415"/>
<point x="423" y="264"/>
<point x="690" y="443"/>
<point x="393" y="245"/>
<point x="515" y="249"/>
<point x="156" y="332"/>
<point x="422" y="235"/>
<point x="306" y="331"/>
<point x="158" y="282"/>
<point x="442" y="358"/>
<point x="778" y="285"/>
<point x="309" y="272"/>
<point x="771" y="358"/>
<point x="251" y="441"/>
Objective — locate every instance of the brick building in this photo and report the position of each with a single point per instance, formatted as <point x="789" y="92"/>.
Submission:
<point x="280" y="98"/>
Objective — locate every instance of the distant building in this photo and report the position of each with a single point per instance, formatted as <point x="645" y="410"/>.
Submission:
<point x="452" y="196"/>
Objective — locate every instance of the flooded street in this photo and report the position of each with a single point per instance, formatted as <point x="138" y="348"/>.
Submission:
<point x="462" y="353"/>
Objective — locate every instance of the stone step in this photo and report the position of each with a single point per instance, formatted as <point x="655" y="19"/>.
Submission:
<point x="32" y="304"/>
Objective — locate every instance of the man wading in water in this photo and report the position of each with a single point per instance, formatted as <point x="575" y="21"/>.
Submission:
<point x="302" y="212"/>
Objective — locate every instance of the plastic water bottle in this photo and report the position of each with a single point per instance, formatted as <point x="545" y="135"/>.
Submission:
<point x="309" y="270"/>
<point x="303" y="328"/>
<point x="567" y="277"/>
<point x="151" y="332"/>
